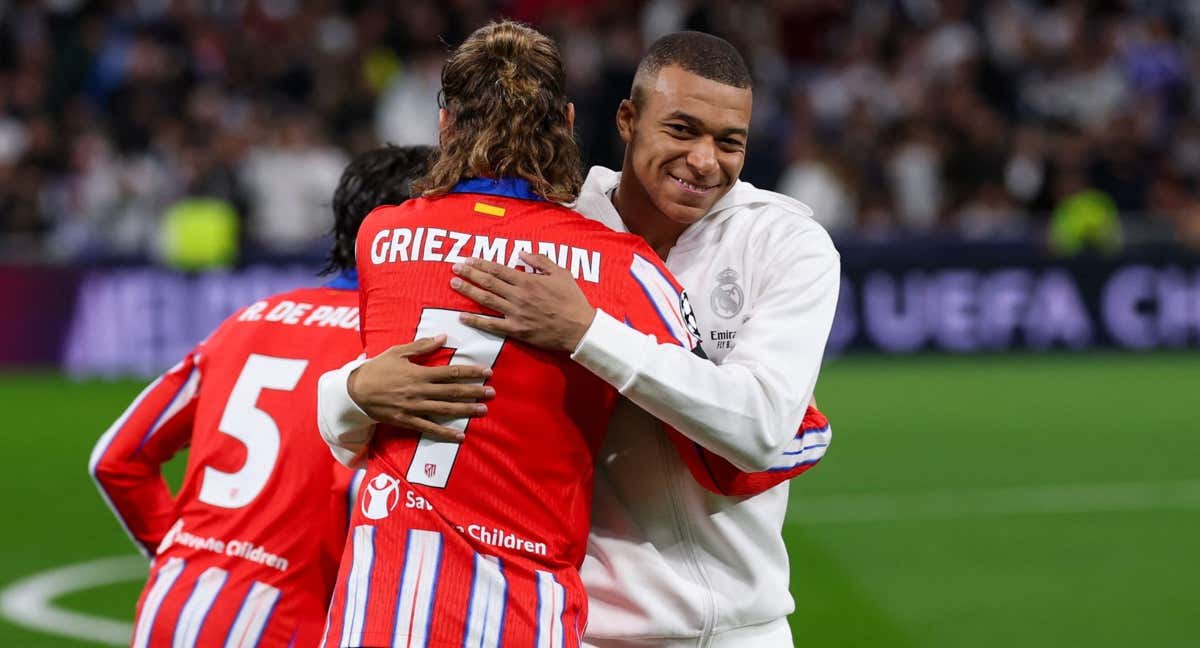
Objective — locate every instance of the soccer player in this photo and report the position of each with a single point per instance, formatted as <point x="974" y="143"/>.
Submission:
<point x="477" y="542"/>
<point x="246" y="553"/>
<point x="670" y="562"/>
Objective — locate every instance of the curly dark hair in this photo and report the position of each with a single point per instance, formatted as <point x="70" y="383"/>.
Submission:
<point x="381" y="176"/>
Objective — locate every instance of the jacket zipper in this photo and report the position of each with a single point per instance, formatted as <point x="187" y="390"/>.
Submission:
<point x="684" y="531"/>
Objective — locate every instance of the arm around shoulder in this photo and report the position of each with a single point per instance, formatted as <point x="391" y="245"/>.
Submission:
<point x="748" y="408"/>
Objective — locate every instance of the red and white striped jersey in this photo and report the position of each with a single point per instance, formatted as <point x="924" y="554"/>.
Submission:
<point x="479" y="543"/>
<point x="246" y="553"/>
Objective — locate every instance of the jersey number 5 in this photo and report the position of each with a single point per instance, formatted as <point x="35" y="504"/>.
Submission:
<point x="244" y="421"/>
<point x="433" y="460"/>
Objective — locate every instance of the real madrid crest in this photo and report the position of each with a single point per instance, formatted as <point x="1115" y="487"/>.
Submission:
<point x="727" y="297"/>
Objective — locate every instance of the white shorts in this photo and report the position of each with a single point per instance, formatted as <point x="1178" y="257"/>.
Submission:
<point x="773" y="634"/>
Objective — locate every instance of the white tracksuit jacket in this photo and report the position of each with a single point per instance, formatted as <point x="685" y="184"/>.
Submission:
<point x="669" y="563"/>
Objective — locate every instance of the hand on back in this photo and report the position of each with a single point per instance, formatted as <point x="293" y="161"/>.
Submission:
<point x="547" y="309"/>
<point x="392" y="389"/>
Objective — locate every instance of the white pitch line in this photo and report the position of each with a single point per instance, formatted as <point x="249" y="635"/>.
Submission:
<point x="998" y="502"/>
<point x="29" y="602"/>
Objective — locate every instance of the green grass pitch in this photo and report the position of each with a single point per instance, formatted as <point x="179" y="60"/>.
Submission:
<point x="998" y="501"/>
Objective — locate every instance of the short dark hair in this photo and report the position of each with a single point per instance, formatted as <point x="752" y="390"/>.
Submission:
<point x="380" y="176"/>
<point x="709" y="56"/>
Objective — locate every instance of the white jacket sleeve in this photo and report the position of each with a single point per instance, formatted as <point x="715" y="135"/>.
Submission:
<point x="344" y="426"/>
<point x="748" y="408"/>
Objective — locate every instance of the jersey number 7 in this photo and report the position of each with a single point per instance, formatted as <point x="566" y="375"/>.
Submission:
<point x="433" y="460"/>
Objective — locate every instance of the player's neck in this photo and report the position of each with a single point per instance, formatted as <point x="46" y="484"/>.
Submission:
<point x="643" y="218"/>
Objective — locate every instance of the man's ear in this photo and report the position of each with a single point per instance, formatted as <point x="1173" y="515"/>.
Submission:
<point x="443" y="119"/>
<point x="626" y="116"/>
<point x="571" y="115"/>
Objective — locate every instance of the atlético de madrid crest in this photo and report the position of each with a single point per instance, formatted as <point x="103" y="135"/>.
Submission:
<point x="727" y="297"/>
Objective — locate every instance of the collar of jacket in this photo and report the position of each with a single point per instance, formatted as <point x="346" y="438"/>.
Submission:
<point x="601" y="182"/>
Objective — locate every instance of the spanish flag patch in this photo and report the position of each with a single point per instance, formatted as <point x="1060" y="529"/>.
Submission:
<point x="490" y="210"/>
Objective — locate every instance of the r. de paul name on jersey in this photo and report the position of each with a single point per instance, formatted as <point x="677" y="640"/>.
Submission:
<point x="447" y="246"/>
<point x="295" y="313"/>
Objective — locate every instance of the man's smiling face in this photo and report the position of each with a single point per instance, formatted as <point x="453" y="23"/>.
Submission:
<point x="686" y="138"/>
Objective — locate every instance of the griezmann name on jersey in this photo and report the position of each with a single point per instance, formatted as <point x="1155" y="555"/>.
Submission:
<point x="246" y="554"/>
<point x="479" y="543"/>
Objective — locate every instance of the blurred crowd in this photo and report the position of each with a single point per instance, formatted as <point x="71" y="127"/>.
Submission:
<point x="1071" y="125"/>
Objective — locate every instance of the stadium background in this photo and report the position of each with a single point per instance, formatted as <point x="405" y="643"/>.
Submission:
<point x="1012" y="184"/>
